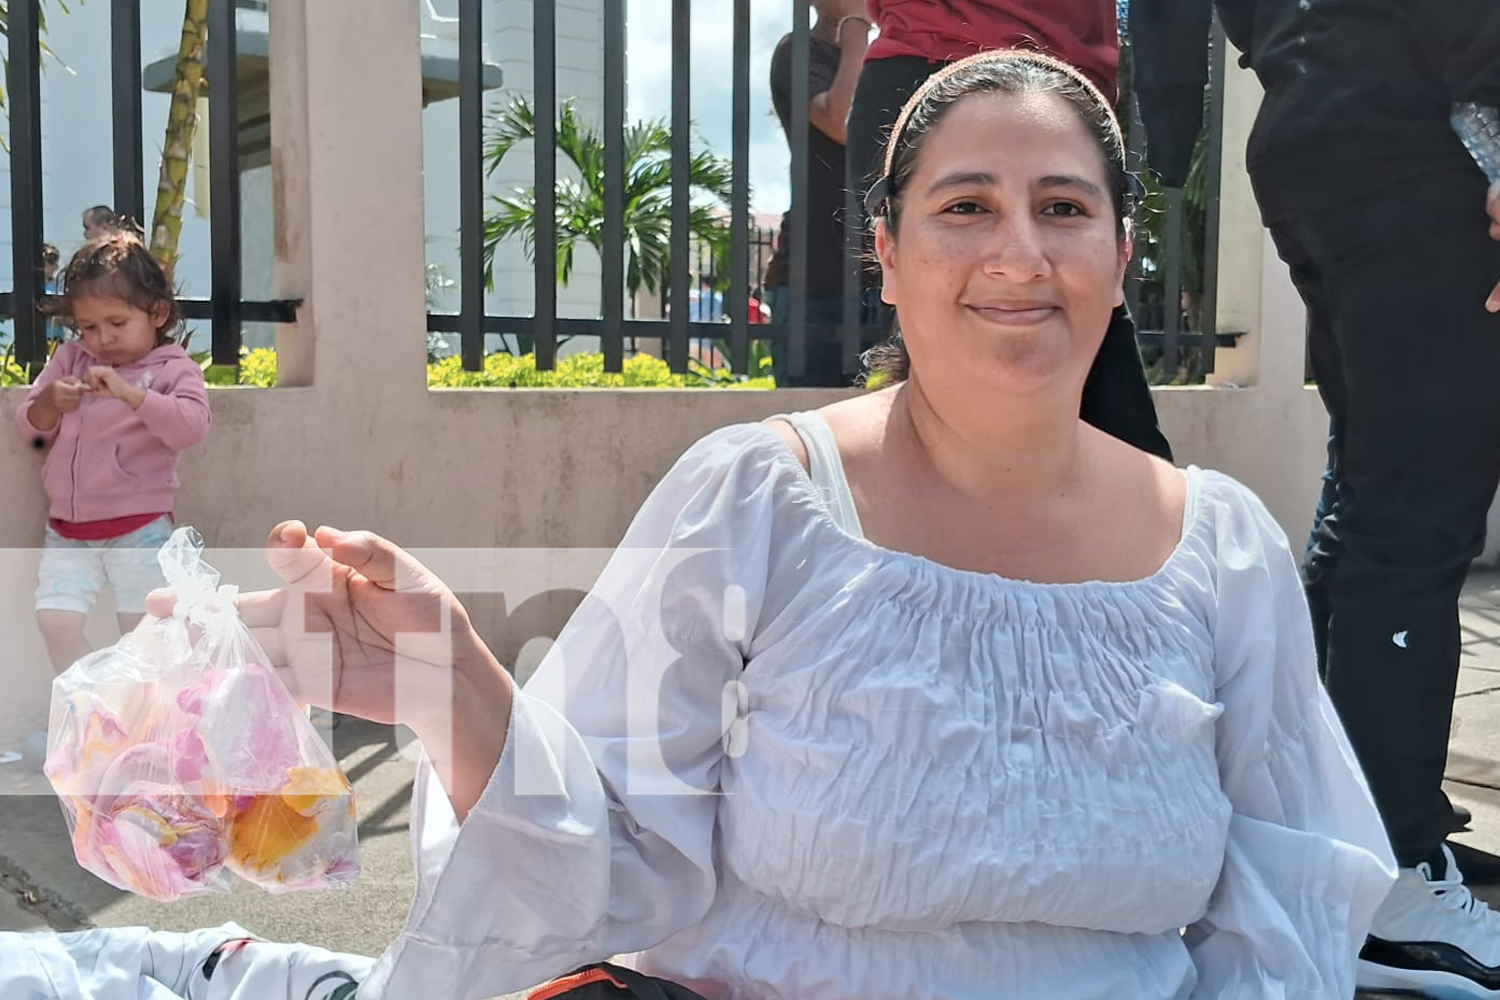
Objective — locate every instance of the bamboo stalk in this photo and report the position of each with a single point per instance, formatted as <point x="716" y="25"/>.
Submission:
<point x="177" y="146"/>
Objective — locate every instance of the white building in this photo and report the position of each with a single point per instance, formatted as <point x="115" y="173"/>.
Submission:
<point x="77" y="168"/>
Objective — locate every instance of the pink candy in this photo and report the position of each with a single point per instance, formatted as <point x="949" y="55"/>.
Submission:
<point x="220" y="771"/>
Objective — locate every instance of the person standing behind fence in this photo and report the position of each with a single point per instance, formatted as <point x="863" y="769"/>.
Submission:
<point x="919" y="37"/>
<point x="1380" y="216"/>
<point x="51" y="260"/>
<point x="101" y="219"/>
<point x="115" y="408"/>
<point x="835" y="49"/>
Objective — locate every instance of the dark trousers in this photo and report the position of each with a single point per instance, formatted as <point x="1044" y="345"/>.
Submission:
<point x="823" y="352"/>
<point x="883" y="89"/>
<point x="1116" y="397"/>
<point x="1317" y="599"/>
<point x="1406" y="359"/>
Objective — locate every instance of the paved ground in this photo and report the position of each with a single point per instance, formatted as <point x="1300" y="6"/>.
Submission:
<point x="41" y="887"/>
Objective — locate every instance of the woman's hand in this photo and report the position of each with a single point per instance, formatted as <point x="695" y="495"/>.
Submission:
<point x="363" y="628"/>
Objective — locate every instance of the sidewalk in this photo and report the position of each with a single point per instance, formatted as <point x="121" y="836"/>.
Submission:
<point x="41" y="886"/>
<point x="36" y="858"/>
<point x="1474" y="749"/>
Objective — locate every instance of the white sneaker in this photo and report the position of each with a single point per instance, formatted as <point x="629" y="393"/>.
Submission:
<point x="1432" y="937"/>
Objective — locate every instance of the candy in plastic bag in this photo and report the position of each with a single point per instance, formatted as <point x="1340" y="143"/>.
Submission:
<point x="178" y="754"/>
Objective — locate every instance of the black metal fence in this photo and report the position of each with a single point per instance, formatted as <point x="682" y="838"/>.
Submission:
<point x="1166" y="330"/>
<point x="1180" y="331"/>
<point x="1168" y="334"/>
<point x="225" y="308"/>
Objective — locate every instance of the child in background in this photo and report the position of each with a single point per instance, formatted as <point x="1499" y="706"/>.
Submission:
<point x="117" y="405"/>
<point x="50" y="261"/>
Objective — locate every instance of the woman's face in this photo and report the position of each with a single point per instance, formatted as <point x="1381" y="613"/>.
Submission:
<point x="1006" y="263"/>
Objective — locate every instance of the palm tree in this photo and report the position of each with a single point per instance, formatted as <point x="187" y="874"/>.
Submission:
<point x="579" y="213"/>
<point x="41" y="19"/>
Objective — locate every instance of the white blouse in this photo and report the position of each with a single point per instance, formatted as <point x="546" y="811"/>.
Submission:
<point x="783" y="763"/>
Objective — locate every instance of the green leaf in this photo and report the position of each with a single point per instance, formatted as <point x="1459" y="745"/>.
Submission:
<point x="46" y="51"/>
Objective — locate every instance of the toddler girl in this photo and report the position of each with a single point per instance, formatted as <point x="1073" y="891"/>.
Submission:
<point x="115" y="406"/>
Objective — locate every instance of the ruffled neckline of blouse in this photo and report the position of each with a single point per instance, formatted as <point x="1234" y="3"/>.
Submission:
<point x="1195" y="530"/>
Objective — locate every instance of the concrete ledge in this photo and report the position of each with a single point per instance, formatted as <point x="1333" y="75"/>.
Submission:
<point x="567" y="468"/>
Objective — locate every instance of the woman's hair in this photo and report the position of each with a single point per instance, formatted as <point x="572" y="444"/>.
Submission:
<point x="118" y="264"/>
<point x="1012" y="72"/>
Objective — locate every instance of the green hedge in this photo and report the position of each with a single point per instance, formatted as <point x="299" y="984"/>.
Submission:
<point x="501" y="371"/>
<point x="507" y="371"/>
<point x="585" y="370"/>
<point x="12" y="373"/>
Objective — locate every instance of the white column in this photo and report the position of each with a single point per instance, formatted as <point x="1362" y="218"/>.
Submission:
<point x="346" y="155"/>
<point x="1240" y="234"/>
<point x="1280" y="328"/>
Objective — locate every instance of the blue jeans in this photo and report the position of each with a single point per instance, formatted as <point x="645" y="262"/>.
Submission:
<point x="825" y="347"/>
<point x="1330" y="487"/>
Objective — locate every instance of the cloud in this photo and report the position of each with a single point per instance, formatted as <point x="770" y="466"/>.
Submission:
<point x="649" y="43"/>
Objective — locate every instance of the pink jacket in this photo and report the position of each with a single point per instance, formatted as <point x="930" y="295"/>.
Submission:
<point x="110" y="461"/>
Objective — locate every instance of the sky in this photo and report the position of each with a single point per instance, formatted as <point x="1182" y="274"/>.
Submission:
<point x="649" y="55"/>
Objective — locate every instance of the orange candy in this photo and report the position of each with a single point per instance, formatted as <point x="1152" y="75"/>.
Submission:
<point x="267" y="829"/>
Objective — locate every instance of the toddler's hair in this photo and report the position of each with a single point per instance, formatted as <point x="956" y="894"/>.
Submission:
<point x="120" y="265"/>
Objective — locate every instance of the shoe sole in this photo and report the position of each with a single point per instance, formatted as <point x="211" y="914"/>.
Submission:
<point x="1425" y="982"/>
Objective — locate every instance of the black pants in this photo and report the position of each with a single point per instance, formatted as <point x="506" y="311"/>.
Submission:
<point x="1407" y="360"/>
<point x="883" y="89"/>
<point x="1116" y="397"/>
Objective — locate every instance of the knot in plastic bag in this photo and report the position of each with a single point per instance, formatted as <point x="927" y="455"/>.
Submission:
<point x="201" y="599"/>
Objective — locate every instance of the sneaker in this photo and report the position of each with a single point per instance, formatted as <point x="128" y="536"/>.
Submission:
<point x="1433" y="938"/>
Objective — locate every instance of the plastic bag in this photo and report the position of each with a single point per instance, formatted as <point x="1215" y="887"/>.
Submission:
<point x="177" y="755"/>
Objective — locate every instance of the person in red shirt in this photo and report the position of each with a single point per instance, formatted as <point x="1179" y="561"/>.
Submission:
<point x="919" y="37"/>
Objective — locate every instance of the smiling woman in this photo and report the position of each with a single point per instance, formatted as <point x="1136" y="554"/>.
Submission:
<point x="1061" y="232"/>
<point x="938" y="691"/>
